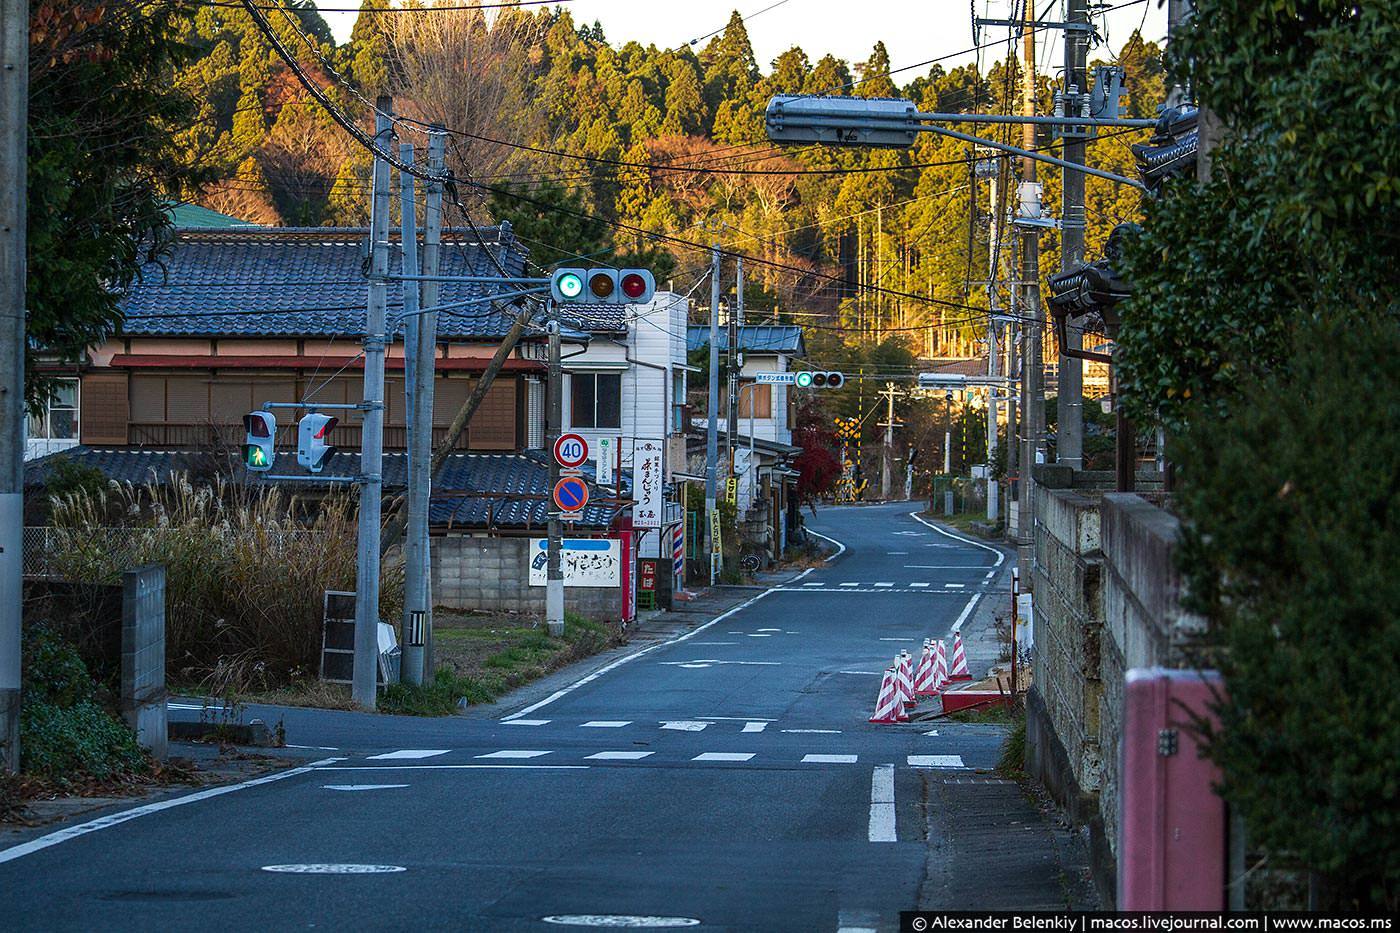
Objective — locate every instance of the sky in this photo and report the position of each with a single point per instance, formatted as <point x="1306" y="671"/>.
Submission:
<point x="912" y="30"/>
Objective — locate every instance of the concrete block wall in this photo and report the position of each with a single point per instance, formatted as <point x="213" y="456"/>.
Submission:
<point x="492" y="574"/>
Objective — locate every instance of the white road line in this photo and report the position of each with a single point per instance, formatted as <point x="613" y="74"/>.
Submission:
<point x="813" y="731"/>
<point x="945" y="566"/>
<point x="411" y="753"/>
<point x="760" y="634"/>
<point x="990" y="574"/>
<point x="953" y="586"/>
<point x="899" y="639"/>
<point x="754" y="727"/>
<point x="986" y="547"/>
<point x="840" y="548"/>
<point x="861" y="673"/>
<point x="829" y="759"/>
<point x="882" y="826"/>
<point x="730" y="643"/>
<point x="565" y="691"/>
<point x="896" y="553"/>
<point x="526" y="722"/>
<point x="850" y="584"/>
<point x="936" y="761"/>
<point x="967" y="611"/>
<point x="684" y="725"/>
<point x="116" y="819"/>
<point x="361" y="786"/>
<point x="723" y="756"/>
<point x="491" y="767"/>
<point x="515" y="753"/>
<point x="814" y="584"/>
<point x="319" y="748"/>
<point x="737" y="719"/>
<point x="884" y="584"/>
<point x="767" y="630"/>
<point x="618" y="756"/>
<point x="919" y="585"/>
<point x="605" y="724"/>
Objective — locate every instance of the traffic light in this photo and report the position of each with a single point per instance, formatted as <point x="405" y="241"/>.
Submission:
<point x="260" y="440"/>
<point x="819" y="379"/>
<point x="602" y="286"/>
<point x="1172" y="148"/>
<point x="313" y="440"/>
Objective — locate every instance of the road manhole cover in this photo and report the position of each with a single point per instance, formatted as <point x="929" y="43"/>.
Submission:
<point x="620" y="920"/>
<point x="333" y="869"/>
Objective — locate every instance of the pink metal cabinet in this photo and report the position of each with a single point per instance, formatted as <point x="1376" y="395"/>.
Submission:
<point x="1171" y="828"/>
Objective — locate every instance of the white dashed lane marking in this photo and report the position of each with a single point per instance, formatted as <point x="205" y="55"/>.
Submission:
<point x="516" y="753"/>
<point x="754" y="726"/>
<point x="410" y="753"/>
<point x="606" y="724"/>
<point x="829" y="759"/>
<point x="526" y="722"/>
<point x="723" y="756"/>
<point x="884" y="584"/>
<point x="919" y="585"/>
<point x="618" y="756"/>
<point x="936" y="761"/>
<point x="685" y="725"/>
<point x="850" y="584"/>
<point x="814" y="584"/>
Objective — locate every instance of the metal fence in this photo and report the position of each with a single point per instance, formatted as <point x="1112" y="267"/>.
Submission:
<point x="50" y="553"/>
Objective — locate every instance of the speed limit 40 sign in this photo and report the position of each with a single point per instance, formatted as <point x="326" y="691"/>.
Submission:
<point x="571" y="450"/>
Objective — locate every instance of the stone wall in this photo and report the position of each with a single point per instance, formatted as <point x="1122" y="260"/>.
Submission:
<point x="1106" y="595"/>
<point x="492" y="574"/>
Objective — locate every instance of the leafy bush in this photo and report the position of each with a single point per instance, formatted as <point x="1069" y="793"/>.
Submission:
<point x="65" y="734"/>
<point x="246" y="569"/>
<point x="1292" y="503"/>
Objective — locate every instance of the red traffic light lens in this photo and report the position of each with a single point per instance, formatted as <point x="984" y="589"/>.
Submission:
<point x="257" y="426"/>
<point x="633" y="285"/>
<point x="601" y="285"/>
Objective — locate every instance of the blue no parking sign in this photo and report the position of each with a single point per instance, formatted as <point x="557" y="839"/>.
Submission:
<point x="571" y="494"/>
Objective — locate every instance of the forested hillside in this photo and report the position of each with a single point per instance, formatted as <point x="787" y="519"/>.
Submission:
<point x="594" y="149"/>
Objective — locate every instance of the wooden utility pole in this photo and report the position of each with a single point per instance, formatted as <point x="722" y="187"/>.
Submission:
<point x="14" y="116"/>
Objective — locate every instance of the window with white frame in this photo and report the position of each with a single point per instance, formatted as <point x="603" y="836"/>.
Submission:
<point x="59" y="419"/>
<point x="595" y="400"/>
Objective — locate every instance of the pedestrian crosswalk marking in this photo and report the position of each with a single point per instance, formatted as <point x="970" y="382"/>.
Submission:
<point x="606" y="724"/>
<point x="829" y="759"/>
<point x="754" y="726"/>
<point x="411" y="753"/>
<point x="723" y="756"/>
<point x="525" y="722"/>
<point x="936" y="761"/>
<point x="618" y="756"/>
<point x="516" y="753"/>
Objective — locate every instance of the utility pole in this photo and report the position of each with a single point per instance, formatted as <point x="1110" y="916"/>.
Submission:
<point x="1032" y="361"/>
<point x="14" y="115"/>
<point x="887" y="460"/>
<point x="993" y="354"/>
<point x="425" y="370"/>
<point x="1069" y="446"/>
<point x="731" y="364"/>
<point x="554" y="426"/>
<point x="414" y="589"/>
<point x="711" y="431"/>
<point x="366" y="663"/>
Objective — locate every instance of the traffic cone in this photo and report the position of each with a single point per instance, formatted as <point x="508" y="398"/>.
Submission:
<point x="959" y="671"/>
<point x="906" y="679"/>
<point x="923" y="677"/>
<point x="887" y="705"/>
<point x="940" y="666"/>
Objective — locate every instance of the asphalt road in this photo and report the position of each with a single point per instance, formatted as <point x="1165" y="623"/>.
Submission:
<point x="726" y="776"/>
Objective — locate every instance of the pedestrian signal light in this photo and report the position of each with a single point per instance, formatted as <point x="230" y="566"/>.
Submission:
<point x="313" y="441"/>
<point x="259" y="441"/>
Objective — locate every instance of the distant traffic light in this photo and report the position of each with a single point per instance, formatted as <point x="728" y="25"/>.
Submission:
<point x="819" y="379"/>
<point x="260" y="440"/>
<point x="1171" y="150"/>
<point x="313" y="440"/>
<point x="602" y="286"/>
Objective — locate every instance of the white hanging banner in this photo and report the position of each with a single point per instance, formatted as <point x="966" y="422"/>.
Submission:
<point x="649" y="492"/>
<point x="607" y="448"/>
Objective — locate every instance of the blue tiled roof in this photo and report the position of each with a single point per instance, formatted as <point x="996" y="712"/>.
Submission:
<point x="306" y="282"/>
<point x="753" y="338"/>
<point x="507" y="477"/>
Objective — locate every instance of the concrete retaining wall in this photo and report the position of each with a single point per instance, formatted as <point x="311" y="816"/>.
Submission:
<point x="143" y="656"/>
<point x="492" y="574"/>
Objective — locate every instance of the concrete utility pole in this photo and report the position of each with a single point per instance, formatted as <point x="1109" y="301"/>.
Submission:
<point x="366" y="664"/>
<point x="712" y="430"/>
<point x="14" y="115"/>
<point x="732" y="357"/>
<point x="1032" y="361"/>
<point x="554" y="426"/>
<point x="887" y="459"/>
<point x="426" y="373"/>
<point x="993" y="354"/>
<point x="415" y="597"/>
<point x="1069" y="446"/>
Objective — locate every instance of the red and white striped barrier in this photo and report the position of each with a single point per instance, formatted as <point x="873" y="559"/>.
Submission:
<point x="888" y="708"/>
<point x="940" y="666"/>
<point x="923" y="676"/>
<point x="906" y="679"/>
<point x="959" y="669"/>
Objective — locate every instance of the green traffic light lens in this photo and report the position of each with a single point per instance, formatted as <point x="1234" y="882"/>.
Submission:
<point x="570" y="286"/>
<point x="804" y="380"/>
